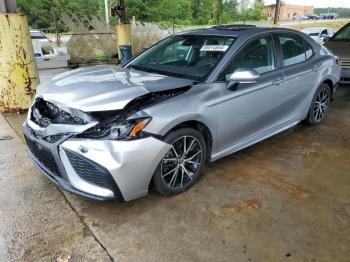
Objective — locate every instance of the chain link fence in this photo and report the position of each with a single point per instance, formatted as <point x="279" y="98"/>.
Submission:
<point x="90" y="40"/>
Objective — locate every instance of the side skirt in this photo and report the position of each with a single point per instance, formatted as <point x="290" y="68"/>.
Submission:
<point x="256" y="138"/>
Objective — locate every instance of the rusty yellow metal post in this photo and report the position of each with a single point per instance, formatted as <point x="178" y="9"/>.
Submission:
<point x="18" y="71"/>
<point x="123" y="36"/>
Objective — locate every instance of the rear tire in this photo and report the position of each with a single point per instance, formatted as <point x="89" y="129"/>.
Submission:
<point x="319" y="105"/>
<point x="182" y="165"/>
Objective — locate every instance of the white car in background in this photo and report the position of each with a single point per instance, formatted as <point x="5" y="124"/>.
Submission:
<point x="47" y="55"/>
<point x="44" y="41"/>
<point x="319" y="34"/>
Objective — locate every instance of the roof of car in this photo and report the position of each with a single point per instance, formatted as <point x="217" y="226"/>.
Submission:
<point x="234" y="30"/>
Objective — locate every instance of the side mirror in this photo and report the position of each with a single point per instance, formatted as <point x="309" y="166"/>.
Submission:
<point x="326" y="38"/>
<point x="242" y="76"/>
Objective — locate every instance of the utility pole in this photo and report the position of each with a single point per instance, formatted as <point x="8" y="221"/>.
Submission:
<point x="277" y="12"/>
<point x="106" y="12"/>
<point x="217" y="12"/>
<point x="243" y="7"/>
<point x="56" y="27"/>
<point x="122" y="14"/>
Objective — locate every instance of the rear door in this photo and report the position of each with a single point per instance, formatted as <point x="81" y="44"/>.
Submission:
<point x="300" y="72"/>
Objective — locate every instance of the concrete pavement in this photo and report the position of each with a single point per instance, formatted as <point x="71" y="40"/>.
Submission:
<point x="36" y="221"/>
<point x="285" y="199"/>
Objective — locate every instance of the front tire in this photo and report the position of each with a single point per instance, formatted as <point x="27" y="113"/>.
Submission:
<point x="319" y="105"/>
<point x="182" y="165"/>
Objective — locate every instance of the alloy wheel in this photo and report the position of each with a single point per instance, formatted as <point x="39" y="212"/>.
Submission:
<point x="321" y="104"/>
<point x="181" y="163"/>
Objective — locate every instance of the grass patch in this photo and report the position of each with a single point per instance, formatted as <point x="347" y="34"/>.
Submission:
<point x="329" y="24"/>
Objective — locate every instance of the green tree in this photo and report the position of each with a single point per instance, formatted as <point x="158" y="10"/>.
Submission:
<point x="40" y="12"/>
<point x="230" y="11"/>
<point x="195" y="6"/>
<point x="217" y="11"/>
<point x="257" y="12"/>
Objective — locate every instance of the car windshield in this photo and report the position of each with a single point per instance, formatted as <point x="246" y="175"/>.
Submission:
<point x="184" y="56"/>
<point x="343" y="34"/>
<point x="37" y="35"/>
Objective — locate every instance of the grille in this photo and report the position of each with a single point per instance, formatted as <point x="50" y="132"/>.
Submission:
<point x="345" y="63"/>
<point x="44" y="156"/>
<point x="89" y="170"/>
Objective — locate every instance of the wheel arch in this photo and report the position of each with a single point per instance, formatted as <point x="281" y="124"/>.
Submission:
<point x="201" y="128"/>
<point x="329" y="82"/>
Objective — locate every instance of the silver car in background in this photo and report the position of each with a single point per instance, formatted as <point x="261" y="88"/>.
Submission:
<point x="109" y="132"/>
<point x="319" y="34"/>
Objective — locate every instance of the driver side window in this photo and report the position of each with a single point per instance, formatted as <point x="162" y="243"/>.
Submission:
<point x="258" y="54"/>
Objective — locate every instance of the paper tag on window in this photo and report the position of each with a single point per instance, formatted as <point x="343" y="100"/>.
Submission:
<point x="214" y="48"/>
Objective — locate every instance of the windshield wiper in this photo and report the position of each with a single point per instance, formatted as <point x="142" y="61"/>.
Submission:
<point x="137" y="67"/>
<point x="145" y="69"/>
<point x="161" y="72"/>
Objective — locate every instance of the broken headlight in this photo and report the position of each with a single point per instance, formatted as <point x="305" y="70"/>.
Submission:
<point x="128" y="129"/>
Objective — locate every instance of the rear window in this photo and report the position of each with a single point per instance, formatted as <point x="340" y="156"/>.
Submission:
<point x="293" y="50"/>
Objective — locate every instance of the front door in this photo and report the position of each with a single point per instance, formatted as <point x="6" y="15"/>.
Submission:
<point x="242" y="112"/>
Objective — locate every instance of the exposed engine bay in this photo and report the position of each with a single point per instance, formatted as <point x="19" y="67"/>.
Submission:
<point x="45" y="113"/>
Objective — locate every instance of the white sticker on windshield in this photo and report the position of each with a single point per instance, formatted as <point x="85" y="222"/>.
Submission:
<point x="214" y="48"/>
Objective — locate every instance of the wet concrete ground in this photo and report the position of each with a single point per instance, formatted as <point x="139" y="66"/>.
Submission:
<point x="284" y="199"/>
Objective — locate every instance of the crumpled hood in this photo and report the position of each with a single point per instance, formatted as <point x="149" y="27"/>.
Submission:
<point x="104" y="87"/>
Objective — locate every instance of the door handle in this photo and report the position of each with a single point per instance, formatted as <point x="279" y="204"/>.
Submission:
<point x="278" y="81"/>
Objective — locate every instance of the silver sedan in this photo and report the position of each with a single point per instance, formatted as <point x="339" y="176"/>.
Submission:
<point x="109" y="132"/>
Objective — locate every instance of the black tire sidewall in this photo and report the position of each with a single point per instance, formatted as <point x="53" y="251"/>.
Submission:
<point x="158" y="183"/>
<point x="310" y="118"/>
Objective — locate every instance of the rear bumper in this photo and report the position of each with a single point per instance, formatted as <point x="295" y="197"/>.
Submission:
<point x="98" y="169"/>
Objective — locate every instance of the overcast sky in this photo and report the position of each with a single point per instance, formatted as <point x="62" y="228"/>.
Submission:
<point x="315" y="3"/>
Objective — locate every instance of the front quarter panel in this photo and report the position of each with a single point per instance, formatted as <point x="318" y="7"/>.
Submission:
<point x="193" y="105"/>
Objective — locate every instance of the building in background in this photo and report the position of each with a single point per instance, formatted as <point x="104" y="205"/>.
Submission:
<point x="287" y="12"/>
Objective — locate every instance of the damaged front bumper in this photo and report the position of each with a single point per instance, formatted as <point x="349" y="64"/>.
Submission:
<point x="97" y="169"/>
